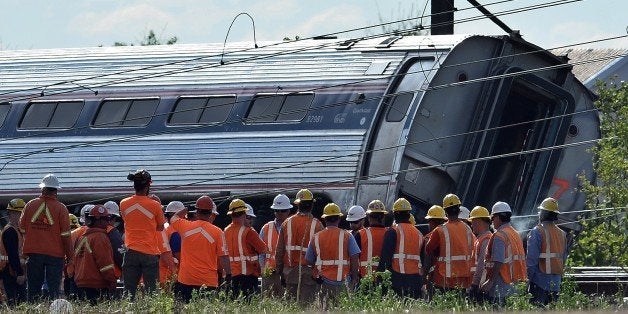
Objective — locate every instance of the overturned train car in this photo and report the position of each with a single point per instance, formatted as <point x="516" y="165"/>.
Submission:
<point x="486" y="117"/>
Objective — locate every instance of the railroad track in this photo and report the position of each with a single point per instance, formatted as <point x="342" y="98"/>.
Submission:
<point x="600" y="280"/>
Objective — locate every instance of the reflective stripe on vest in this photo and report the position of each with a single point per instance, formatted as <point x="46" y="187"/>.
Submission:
<point x="43" y="208"/>
<point x="83" y="243"/>
<point x="339" y="262"/>
<point x="142" y="210"/>
<point x="303" y="247"/>
<point x="401" y="256"/>
<point x="106" y="268"/>
<point x="269" y="239"/>
<point x="448" y="258"/>
<point x="554" y="243"/>
<point x="200" y="230"/>
<point x="369" y="252"/>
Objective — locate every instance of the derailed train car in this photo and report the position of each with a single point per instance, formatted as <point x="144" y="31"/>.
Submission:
<point x="487" y="117"/>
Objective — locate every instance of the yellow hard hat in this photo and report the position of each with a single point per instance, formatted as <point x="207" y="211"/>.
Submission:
<point x="435" y="212"/>
<point x="412" y="220"/>
<point x="451" y="200"/>
<point x="549" y="204"/>
<point x="304" y="195"/>
<point x="236" y="206"/>
<point x="331" y="209"/>
<point x="402" y="205"/>
<point x="376" y="206"/>
<point x="479" y="212"/>
<point x="16" y="204"/>
<point x="74" y="222"/>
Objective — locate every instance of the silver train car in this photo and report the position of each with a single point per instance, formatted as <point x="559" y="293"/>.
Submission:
<point x="487" y="117"/>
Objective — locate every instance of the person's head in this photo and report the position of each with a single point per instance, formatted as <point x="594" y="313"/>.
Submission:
<point x="141" y="181"/>
<point x="206" y="204"/>
<point x="49" y="185"/>
<point x="548" y="210"/>
<point x="237" y="211"/>
<point x="500" y="214"/>
<point x="331" y="215"/>
<point x="85" y="210"/>
<point x="250" y="215"/>
<point x="451" y="204"/>
<point x="480" y="219"/>
<point x="435" y="217"/>
<point x="402" y="210"/>
<point x="74" y="222"/>
<point x="376" y="211"/>
<point x="281" y="205"/>
<point x="355" y="217"/>
<point x="15" y="208"/>
<point x="304" y="200"/>
<point x="98" y="217"/>
<point x="172" y="208"/>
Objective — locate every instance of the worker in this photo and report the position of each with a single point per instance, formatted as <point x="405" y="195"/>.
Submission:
<point x="480" y="224"/>
<point x="271" y="279"/>
<point x="294" y="238"/>
<point x="464" y="215"/>
<point x="546" y="255"/>
<point x="116" y="219"/>
<point x="250" y="216"/>
<point x="504" y="262"/>
<point x="93" y="261"/>
<point x="203" y="252"/>
<point x="84" y="212"/>
<point x="45" y="224"/>
<point x="435" y="217"/>
<point x="206" y="203"/>
<point x="452" y="244"/>
<point x="355" y="218"/>
<point x="401" y="252"/>
<point x="244" y="246"/>
<point x="371" y="239"/>
<point x="115" y="236"/>
<point x="335" y="254"/>
<point x="12" y="265"/>
<point x="169" y="259"/>
<point x="74" y="222"/>
<point x="143" y="218"/>
<point x="69" y="286"/>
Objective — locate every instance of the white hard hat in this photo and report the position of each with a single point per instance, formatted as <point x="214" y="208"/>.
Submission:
<point x="355" y="213"/>
<point x="174" y="207"/>
<point x="501" y="207"/>
<point x="464" y="213"/>
<point x="281" y="202"/>
<point x="113" y="208"/>
<point x="85" y="211"/>
<point x="249" y="210"/>
<point x="50" y="181"/>
<point x="61" y="306"/>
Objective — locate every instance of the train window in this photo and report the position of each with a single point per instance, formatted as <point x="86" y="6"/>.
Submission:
<point x="406" y="88"/>
<point x="201" y="110"/>
<point x="125" y="112"/>
<point x="4" y="111"/>
<point x="41" y="115"/>
<point x="270" y="108"/>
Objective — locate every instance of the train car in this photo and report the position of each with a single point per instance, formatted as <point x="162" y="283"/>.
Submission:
<point x="487" y="117"/>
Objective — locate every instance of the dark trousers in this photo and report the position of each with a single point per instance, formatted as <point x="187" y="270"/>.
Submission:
<point x="183" y="292"/>
<point x="407" y="285"/>
<point x="93" y="295"/>
<point x="40" y="267"/>
<point x="540" y="296"/>
<point x="15" y="293"/>
<point x="138" y="265"/>
<point x="245" y="285"/>
<point x="70" y="288"/>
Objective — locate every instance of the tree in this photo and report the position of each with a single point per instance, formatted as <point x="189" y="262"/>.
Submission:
<point x="603" y="239"/>
<point x="150" y="40"/>
<point x="410" y="24"/>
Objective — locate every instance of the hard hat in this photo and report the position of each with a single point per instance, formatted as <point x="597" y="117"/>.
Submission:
<point x="206" y="203"/>
<point x="479" y="212"/>
<point x="249" y="210"/>
<point x="84" y="211"/>
<point x="74" y="222"/>
<point x="304" y="195"/>
<point x="331" y="209"/>
<point x="281" y="202"/>
<point x="16" y="204"/>
<point x="155" y="198"/>
<point x="500" y="207"/>
<point x="412" y="220"/>
<point x="355" y="213"/>
<point x="174" y="207"/>
<point x="98" y="211"/>
<point x="50" y="181"/>
<point x="142" y="176"/>
<point x="236" y="206"/>
<point x="402" y="205"/>
<point x="549" y="204"/>
<point x="464" y="213"/>
<point x="113" y="208"/>
<point x="376" y="206"/>
<point x="451" y="200"/>
<point x="435" y="212"/>
<point x="61" y="306"/>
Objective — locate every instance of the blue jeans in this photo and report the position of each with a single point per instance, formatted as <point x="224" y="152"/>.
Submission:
<point x="40" y="267"/>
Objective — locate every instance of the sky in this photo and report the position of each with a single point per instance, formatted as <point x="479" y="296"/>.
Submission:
<point x="36" y="24"/>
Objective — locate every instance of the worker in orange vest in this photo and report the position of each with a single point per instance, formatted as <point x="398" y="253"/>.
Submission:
<point x="355" y="218"/>
<point x="206" y="203"/>
<point x="93" y="258"/>
<point x="546" y="255"/>
<point x="45" y="224"/>
<point x="504" y="262"/>
<point x="12" y="263"/>
<point x="294" y="238"/>
<point x="115" y="237"/>
<point x="244" y="245"/>
<point x="335" y="254"/>
<point x="480" y="223"/>
<point x="401" y="252"/>
<point x="143" y="219"/>
<point x="271" y="279"/>
<point x="452" y="244"/>
<point x="204" y="255"/>
<point x="371" y="239"/>
<point x="168" y="264"/>
<point x="435" y="217"/>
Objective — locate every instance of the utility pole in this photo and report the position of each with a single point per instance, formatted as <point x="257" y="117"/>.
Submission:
<point x="442" y="17"/>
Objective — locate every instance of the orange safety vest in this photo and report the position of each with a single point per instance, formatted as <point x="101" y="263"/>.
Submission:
<point x="243" y="260"/>
<point x="4" y="256"/>
<point x="514" y="267"/>
<point x="455" y="250"/>
<point x="332" y="253"/>
<point x="371" y="241"/>
<point x="478" y="245"/>
<point x="298" y="237"/>
<point x="271" y="237"/>
<point x="552" y="248"/>
<point x="407" y="256"/>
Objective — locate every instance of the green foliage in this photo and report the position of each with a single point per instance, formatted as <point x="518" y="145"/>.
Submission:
<point x="408" y="26"/>
<point x="603" y="240"/>
<point x="150" y="39"/>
